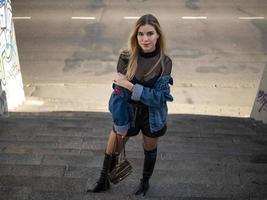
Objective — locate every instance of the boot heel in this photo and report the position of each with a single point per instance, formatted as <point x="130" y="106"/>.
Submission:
<point x="142" y="188"/>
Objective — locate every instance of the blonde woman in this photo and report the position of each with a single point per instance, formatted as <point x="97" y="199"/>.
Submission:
<point x="144" y="72"/>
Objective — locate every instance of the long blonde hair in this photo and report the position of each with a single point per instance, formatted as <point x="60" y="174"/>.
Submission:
<point x="133" y="46"/>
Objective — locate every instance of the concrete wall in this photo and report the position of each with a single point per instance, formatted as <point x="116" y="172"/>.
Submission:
<point x="10" y="74"/>
<point x="259" y="111"/>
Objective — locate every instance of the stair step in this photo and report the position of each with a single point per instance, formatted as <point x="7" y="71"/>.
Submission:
<point x="57" y="155"/>
<point x="167" y="189"/>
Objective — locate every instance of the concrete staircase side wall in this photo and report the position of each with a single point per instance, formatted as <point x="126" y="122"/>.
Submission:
<point x="259" y="111"/>
<point x="10" y="74"/>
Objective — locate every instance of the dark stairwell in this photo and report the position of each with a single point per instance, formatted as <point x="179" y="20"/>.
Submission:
<point x="55" y="155"/>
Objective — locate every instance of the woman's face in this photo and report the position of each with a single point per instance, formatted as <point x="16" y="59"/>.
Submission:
<point x="147" y="38"/>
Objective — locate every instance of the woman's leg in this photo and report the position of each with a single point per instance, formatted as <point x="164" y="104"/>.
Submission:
<point x="150" y="151"/>
<point x="112" y="150"/>
<point x="114" y="144"/>
<point x="150" y="143"/>
<point x="114" y="147"/>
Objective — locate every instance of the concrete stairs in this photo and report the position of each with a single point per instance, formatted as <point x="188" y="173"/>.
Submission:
<point x="56" y="155"/>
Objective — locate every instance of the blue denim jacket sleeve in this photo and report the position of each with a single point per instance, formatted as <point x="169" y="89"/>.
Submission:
<point x="155" y="96"/>
<point x="118" y="107"/>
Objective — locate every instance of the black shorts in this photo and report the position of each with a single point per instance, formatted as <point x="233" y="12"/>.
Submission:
<point x="141" y="122"/>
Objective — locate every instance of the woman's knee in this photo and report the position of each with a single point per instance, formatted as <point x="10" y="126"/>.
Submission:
<point x="150" y="143"/>
<point x="111" y="144"/>
<point x="115" y="143"/>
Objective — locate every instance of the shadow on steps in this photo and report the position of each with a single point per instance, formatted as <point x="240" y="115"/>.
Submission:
<point x="55" y="155"/>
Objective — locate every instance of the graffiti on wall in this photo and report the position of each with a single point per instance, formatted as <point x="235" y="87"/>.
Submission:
<point x="8" y="52"/>
<point x="3" y="102"/>
<point x="10" y="74"/>
<point x="262" y="100"/>
<point x="4" y="38"/>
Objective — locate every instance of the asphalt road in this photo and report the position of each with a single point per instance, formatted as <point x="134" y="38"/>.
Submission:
<point x="218" y="57"/>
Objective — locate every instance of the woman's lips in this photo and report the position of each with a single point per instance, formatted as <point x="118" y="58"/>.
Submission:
<point x="145" y="45"/>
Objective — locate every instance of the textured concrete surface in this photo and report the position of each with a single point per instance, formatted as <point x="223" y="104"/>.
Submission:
<point x="56" y="155"/>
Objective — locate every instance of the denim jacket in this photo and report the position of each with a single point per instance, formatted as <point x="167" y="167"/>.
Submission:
<point x="120" y="108"/>
<point x="155" y="98"/>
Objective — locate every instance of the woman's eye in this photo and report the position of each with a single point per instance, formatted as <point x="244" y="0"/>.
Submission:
<point x="150" y="33"/>
<point x="140" y="34"/>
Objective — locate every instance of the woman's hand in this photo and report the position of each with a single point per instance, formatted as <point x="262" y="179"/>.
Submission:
<point x="122" y="81"/>
<point x="119" y="76"/>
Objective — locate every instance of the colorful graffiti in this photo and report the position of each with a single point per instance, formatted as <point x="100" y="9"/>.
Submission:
<point x="262" y="99"/>
<point x="5" y="38"/>
<point x="10" y="74"/>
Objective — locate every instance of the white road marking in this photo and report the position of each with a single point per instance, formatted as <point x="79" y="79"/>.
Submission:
<point x="86" y="18"/>
<point x="131" y="17"/>
<point x="21" y="17"/>
<point x="251" y="17"/>
<point x="191" y="17"/>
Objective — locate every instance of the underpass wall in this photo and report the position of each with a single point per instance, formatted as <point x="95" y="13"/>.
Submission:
<point x="259" y="111"/>
<point x="11" y="86"/>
